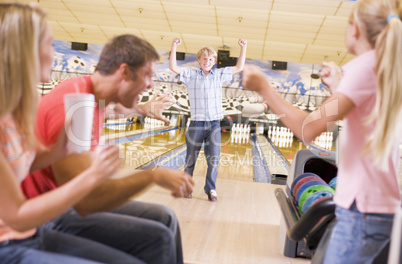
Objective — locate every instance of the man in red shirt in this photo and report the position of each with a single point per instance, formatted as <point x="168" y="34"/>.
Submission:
<point x="147" y="231"/>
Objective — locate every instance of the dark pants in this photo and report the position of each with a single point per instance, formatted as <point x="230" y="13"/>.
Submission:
<point x="209" y="134"/>
<point x="150" y="232"/>
<point x="50" y="247"/>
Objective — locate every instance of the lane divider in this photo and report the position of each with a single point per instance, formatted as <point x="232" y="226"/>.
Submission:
<point x="117" y="124"/>
<point x="143" y="135"/>
<point x="261" y="172"/>
<point x="279" y="154"/>
<point x="173" y="159"/>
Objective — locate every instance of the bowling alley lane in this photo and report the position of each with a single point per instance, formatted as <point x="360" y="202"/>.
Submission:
<point x="122" y="130"/>
<point x="141" y="143"/>
<point x="139" y="152"/>
<point x="141" y="146"/>
<point x="235" y="161"/>
<point x="288" y="145"/>
<point x="276" y="149"/>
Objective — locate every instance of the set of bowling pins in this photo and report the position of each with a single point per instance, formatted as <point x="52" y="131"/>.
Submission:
<point x="153" y="123"/>
<point x="240" y="133"/>
<point x="116" y="124"/>
<point x="280" y="136"/>
<point x="324" y="140"/>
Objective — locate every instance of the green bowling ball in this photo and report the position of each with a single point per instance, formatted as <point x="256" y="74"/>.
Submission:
<point x="310" y="190"/>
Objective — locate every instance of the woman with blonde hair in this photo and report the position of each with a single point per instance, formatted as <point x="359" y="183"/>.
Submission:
<point x="367" y="95"/>
<point x="26" y="58"/>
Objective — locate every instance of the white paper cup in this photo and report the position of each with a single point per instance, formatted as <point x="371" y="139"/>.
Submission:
<point x="79" y="107"/>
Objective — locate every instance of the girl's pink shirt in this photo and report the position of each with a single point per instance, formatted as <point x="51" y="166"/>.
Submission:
<point x="374" y="190"/>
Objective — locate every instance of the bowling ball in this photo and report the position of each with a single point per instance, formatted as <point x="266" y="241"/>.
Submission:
<point x="310" y="190"/>
<point x="332" y="183"/>
<point x="321" y="199"/>
<point x="314" y="198"/>
<point x="299" y="183"/>
<point x="305" y="186"/>
<point x="302" y="182"/>
<point x="298" y="178"/>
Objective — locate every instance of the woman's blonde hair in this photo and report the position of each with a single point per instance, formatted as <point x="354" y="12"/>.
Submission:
<point x="207" y="51"/>
<point x="21" y="29"/>
<point x="384" y="32"/>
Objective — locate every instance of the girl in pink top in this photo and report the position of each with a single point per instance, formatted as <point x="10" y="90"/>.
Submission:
<point x="26" y="54"/>
<point x="367" y="95"/>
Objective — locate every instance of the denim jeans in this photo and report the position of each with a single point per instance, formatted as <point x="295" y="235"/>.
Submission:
<point x="209" y="134"/>
<point x="150" y="232"/>
<point x="50" y="247"/>
<point x="357" y="237"/>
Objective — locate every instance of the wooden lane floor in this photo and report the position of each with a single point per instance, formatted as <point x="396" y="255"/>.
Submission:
<point x="124" y="132"/>
<point x="242" y="227"/>
<point x="141" y="151"/>
<point x="140" y="144"/>
<point x="235" y="161"/>
<point x="289" y="151"/>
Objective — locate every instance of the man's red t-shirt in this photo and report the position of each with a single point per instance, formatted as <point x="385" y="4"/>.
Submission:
<point x="49" y="122"/>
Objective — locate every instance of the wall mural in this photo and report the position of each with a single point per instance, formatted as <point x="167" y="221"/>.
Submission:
<point x="295" y="84"/>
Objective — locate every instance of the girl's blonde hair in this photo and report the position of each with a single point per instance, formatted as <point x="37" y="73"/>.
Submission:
<point x="386" y="37"/>
<point x="21" y="29"/>
<point x="207" y="51"/>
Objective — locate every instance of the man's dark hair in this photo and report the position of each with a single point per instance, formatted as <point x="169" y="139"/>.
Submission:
<point x="129" y="49"/>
